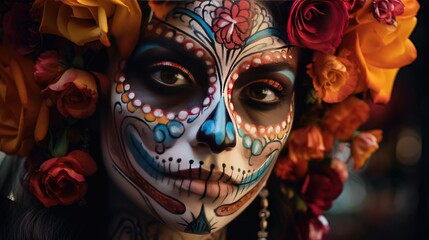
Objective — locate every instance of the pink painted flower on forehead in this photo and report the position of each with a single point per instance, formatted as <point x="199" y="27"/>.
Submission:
<point x="232" y="24"/>
<point x="385" y="11"/>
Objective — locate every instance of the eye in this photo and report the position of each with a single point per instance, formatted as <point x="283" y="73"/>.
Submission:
<point x="262" y="92"/>
<point x="170" y="74"/>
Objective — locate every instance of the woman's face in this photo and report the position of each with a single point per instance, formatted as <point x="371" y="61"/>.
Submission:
<point x="200" y="112"/>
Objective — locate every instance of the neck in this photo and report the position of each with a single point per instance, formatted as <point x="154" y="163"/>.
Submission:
<point x="128" y="221"/>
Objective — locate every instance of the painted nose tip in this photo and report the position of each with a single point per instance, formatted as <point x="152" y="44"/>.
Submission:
<point x="218" y="131"/>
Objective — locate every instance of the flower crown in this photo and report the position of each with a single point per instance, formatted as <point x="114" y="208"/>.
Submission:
<point x="51" y="82"/>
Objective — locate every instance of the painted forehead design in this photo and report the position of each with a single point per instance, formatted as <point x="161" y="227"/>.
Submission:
<point x="229" y="30"/>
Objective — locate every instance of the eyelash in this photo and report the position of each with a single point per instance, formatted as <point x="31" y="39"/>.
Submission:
<point x="274" y="84"/>
<point x="169" y="64"/>
<point x="277" y="87"/>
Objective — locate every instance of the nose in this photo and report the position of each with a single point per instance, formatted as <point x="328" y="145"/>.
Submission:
<point x="217" y="131"/>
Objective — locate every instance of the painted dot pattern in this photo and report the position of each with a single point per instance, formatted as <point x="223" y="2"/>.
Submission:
<point x="158" y="115"/>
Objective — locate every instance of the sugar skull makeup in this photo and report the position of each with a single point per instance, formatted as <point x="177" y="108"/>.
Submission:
<point x="200" y="112"/>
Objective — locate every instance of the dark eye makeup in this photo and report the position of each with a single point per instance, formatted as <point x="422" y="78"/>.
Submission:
<point x="171" y="76"/>
<point x="264" y="91"/>
<point x="265" y="87"/>
<point x="165" y="75"/>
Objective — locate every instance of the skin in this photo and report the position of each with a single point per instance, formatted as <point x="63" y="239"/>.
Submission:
<point x="197" y="120"/>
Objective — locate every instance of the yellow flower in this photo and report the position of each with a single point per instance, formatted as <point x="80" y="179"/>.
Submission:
<point x="83" y="21"/>
<point x="381" y="48"/>
<point x="24" y="117"/>
<point x="364" y="145"/>
<point x="334" y="78"/>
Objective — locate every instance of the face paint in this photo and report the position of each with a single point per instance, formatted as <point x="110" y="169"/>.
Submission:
<point x="200" y="112"/>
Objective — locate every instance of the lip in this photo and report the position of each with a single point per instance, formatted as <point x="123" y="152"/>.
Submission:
<point x="211" y="189"/>
<point x="212" y="184"/>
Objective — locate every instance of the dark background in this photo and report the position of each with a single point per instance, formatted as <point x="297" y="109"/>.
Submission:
<point x="389" y="198"/>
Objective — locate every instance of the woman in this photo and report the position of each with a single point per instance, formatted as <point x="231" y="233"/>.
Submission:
<point x="196" y="100"/>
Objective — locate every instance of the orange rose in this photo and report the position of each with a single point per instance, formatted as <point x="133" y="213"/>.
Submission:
<point x="289" y="170"/>
<point x="161" y="8"/>
<point x="334" y="77"/>
<point x="86" y="21"/>
<point x="382" y="48"/>
<point x="23" y="116"/>
<point x="62" y="180"/>
<point x="343" y="118"/>
<point x="75" y="93"/>
<point x="305" y="144"/>
<point x="364" y="145"/>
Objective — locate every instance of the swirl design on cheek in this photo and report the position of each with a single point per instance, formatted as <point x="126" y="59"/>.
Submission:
<point x="126" y="169"/>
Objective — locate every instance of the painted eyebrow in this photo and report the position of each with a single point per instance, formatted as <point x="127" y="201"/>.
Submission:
<point x="281" y="67"/>
<point x="176" y="51"/>
<point x="174" y="45"/>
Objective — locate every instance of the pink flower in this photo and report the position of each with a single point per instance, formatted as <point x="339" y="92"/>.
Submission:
<point x="385" y="11"/>
<point x="317" y="24"/>
<point x="61" y="181"/>
<point x="232" y="24"/>
<point x="75" y="93"/>
<point x="49" y="67"/>
<point x="321" y="187"/>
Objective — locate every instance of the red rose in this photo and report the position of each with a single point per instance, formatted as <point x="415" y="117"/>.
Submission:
<point x="321" y="187"/>
<point x="309" y="227"/>
<point x="385" y="11"/>
<point x="62" y="180"/>
<point x="232" y="24"/>
<point x="317" y="24"/>
<point x="353" y="5"/>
